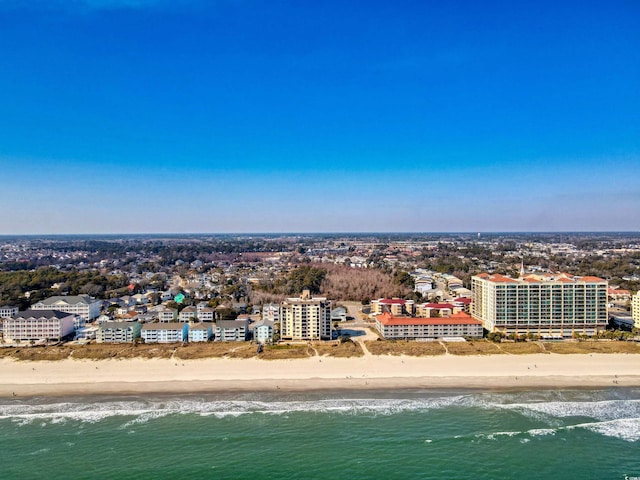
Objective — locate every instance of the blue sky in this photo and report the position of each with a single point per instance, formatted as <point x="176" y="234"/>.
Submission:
<point x="121" y="116"/>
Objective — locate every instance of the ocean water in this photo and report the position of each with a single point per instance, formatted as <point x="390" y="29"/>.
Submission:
<point x="568" y="434"/>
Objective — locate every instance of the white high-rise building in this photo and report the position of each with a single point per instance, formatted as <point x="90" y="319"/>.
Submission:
<point x="305" y="318"/>
<point x="543" y="304"/>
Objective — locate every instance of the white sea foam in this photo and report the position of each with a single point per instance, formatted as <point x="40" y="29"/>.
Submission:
<point x="624" y="428"/>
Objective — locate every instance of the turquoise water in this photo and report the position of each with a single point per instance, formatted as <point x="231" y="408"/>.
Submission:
<point x="579" y="434"/>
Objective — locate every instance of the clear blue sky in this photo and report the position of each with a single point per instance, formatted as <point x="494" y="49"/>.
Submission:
<point x="122" y="116"/>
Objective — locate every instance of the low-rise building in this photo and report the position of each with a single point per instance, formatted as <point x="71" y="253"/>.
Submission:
<point x="188" y="314"/>
<point x="419" y="328"/>
<point x="38" y="326"/>
<point x="339" y="314"/>
<point x="200" y="332"/>
<point x="170" y="332"/>
<point x="263" y="331"/>
<point x="271" y="311"/>
<point x="205" y="314"/>
<point x="432" y="310"/>
<point x="118" y="332"/>
<point x="231" y="330"/>
<point x="167" y="314"/>
<point x="81" y="305"/>
<point x="8" y="311"/>
<point x="394" y="306"/>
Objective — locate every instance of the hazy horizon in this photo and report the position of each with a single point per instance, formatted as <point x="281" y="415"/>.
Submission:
<point x="164" y="117"/>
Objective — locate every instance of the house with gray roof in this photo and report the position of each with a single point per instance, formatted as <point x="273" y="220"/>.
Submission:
<point x="118" y="332"/>
<point x="231" y="330"/>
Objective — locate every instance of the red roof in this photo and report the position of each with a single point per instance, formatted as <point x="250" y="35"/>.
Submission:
<point x="463" y="300"/>
<point x="396" y="301"/>
<point x="590" y="279"/>
<point x="438" y="305"/>
<point x="457" y="319"/>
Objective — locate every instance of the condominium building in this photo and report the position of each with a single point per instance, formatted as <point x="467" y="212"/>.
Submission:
<point x="305" y="318"/>
<point x="171" y="332"/>
<point x="118" y="332"/>
<point x="81" y="305"/>
<point x="231" y="330"/>
<point x="418" y="328"/>
<point x="263" y="331"/>
<point x="200" y="332"/>
<point x="167" y="314"/>
<point x="271" y="311"/>
<point x="395" y="306"/>
<point x="38" y="325"/>
<point x="543" y="304"/>
<point x="635" y="310"/>
<point x="8" y="311"/>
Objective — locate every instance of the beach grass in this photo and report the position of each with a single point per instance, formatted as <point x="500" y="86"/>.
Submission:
<point x="476" y="347"/>
<point x="402" y="347"/>
<point x="592" y="347"/>
<point x="338" y="349"/>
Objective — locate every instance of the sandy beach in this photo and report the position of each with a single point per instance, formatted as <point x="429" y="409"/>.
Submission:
<point x="134" y="376"/>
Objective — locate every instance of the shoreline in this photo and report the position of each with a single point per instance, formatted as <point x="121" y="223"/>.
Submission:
<point x="166" y="376"/>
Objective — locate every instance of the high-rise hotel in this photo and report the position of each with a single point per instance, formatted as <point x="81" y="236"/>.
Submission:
<point x="548" y="305"/>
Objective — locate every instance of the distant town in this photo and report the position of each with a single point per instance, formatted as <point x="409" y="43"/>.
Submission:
<point x="300" y="288"/>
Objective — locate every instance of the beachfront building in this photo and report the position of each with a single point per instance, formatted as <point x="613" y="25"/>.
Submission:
<point x="263" y="331"/>
<point x="635" y="310"/>
<point x="231" y="330"/>
<point x="548" y="305"/>
<point x="118" y="332"/>
<point x="200" y="332"/>
<point x="395" y="306"/>
<point x="305" y="318"/>
<point x="38" y="326"/>
<point x="171" y="332"/>
<point x="81" y="305"/>
<point x="419" y="328"/>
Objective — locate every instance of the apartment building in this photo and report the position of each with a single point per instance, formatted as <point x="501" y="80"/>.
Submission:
<point x="200" y="332"/>
<point x="82" y="305"/>
<point x="188" y="314"/>
<point x="271" y="311"/>
<point x="231" y="330"/>
<point x="548" y="305"/>
<point x="118" y="332"/>
<point x="305" y="318"/>
<point x="171" y="332"/>
<point x="167" y="314"/>
<point x="418" y="328"/>
<point x="8" y="311"/>
<point x="395" y="306"/>
<point x="635" y="310"/>
<point x="263" y="331"/>
<point x="38" y="325"/>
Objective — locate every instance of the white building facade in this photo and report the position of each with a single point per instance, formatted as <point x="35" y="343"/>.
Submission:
<point x="305" y="318"/>
<point x="551" y="306"/>
<point x="81" y="305"/>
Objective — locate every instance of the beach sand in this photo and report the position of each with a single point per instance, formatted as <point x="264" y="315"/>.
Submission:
<point x="136" y="376"/>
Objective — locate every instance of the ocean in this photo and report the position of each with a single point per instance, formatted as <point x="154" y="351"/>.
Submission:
<point x="566" y="434"/>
